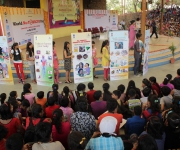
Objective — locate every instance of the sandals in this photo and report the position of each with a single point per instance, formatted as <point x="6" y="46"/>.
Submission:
<point x="70" y="81"/>
<point x="67" y="82"/>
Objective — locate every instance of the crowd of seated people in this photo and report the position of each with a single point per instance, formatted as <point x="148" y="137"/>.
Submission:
<point x="132" y="118"/>
<point x="171" y="20"/>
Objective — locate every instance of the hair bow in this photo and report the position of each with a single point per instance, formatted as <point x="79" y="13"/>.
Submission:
<point x="82" y="140"/>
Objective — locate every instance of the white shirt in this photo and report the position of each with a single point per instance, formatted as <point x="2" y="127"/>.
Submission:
<point x="122" y="22"/>
<point x="16" y="51"/>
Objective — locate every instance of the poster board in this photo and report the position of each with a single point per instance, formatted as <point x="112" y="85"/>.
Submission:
<point x="146" y="53"/>
<point x="5" y="63"/>
<point x="21" y="24"/>
<point x="119" y="55"/>
<point x="43" y="51"/>
<point x="82" y="61"/>
<point x="64" y="13"/>
<point x="108" y="19"/>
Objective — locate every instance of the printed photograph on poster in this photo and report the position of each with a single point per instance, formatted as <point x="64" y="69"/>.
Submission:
<point x="83" y="69"/>
<point x="118" y="45"/>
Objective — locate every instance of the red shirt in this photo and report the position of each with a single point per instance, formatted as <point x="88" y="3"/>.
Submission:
<point x="35" y="121"/>
<point x="117" y="116"/>
<point x="156" y="88"/>
<point x="90" y="96"/>
<point x="49" y="110"/>
<point x="12" y="126"/>
<point x="63" y="136"/>
<point x="3" y="144"/>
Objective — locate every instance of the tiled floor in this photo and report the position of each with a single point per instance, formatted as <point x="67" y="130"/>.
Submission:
<point x="159" y="73"/>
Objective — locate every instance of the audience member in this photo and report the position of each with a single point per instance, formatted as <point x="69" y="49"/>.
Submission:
<point x="51" y="107"/>
<point x="3" y="134"/>
<point x="81" y="120"/>
<point x="167" y="81"/>
<point x="107" y="139"/>
<point x="166" y="100"/>
<point x="44" y="140"/>
<point x="116" y="95"/>
<point x="176" y="90"/>
<point x="13" y="125"/>
<point x="99" y="106"/>
<point x="76" y="141"/>
<point x="55" y="94"/>
<point x="112" y="106"/>
<point x="146" y="92"/>
<point x="107" y="94"/>
<point x="90" y="93"/>
<point x="136" y="123"/>
<point x="23" y="108"/>
<point x="121" y="88"/>
<point x="155" y="86"/>
<point x="80" y="91"/>
<point x="67" y="111"/>
<point x="41" y="99"/>
<point x="60" y="128"/>
<point x="2" y="98"/>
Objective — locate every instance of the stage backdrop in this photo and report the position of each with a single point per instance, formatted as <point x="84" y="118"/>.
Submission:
<point x="82" y="62"/>
<point x="21" y="24"/>
<point x="107" y="19"/>
<point x="119" y="54"/>
<point x="146" y="53"/>
<point x="64" y="13"/>
<point x="5" y="64"/>
<point x="43" y="52"/>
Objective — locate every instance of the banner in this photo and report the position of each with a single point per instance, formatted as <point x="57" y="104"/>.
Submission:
<point x="22" y="24"/>
<point x="43" y="51"/>
<point x="82" y="61"/>
<point x="5" y="64"/>
<point x="64" y="13"/>
<point x="146" y="53"/>
<point x="119" y="55"/>
<point x="108" y="19"/>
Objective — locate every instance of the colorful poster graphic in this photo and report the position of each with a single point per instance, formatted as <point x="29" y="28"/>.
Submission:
<point x="119" y="55"/>
<point x="44" y="59"/>
<point x="82" y="61"/>
<point x="5" y="64"/>
<point x="21" y="27"/>
<point x="146" y="53"/>
<point x="108" y="19"/>
<point x="64" y="13"/>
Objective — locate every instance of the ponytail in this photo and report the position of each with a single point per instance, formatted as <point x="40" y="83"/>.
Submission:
<point x="55" y="92"/>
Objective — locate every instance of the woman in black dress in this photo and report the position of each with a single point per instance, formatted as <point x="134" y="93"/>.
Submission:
<point x="67" y="61"/>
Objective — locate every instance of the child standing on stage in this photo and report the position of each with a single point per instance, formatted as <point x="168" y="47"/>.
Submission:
<point x="95" y="60"/>
<point x="16" y="55"/>
<point x="56" y="65"/>
<point x="105" y="58"/>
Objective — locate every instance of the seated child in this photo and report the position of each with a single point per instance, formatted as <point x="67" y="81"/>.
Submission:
<point x="90" y="93"/>
<point x="41" y="100"/>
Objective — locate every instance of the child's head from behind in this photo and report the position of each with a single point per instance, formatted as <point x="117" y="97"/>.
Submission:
<point x="81" y="87"/>
<point x="106" y="87"/>
<point x="13" y="94"/>
<point x="98" y="95"/>
<point x="51" y="101"/>
<point x="90" y="85"/>
<point x="137" y="110"/>
<point x="3" y="97"/>
<point x="40" y="94"/>
<point x="146" y="92"/>
<point x="116" y="94"/>
<point x="165" y="90"/>
<point x="146" y="83"/>
<point x="64" y="102"/>
<point x="153" y="103"/>
<point x="132" y="93"/>
<point x="37" y="111"/>
<point x="25" y="104"/>
<point x="121" y="88"/>
<point x="6" y="111"/>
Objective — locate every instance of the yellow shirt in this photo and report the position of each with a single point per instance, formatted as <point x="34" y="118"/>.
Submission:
<point x="105" y="57"/>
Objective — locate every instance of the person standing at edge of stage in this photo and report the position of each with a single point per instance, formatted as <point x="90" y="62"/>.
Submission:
<point x="30" y="58"/>
<point x="67" y="61"/>
<point x="137" y="54"/>
<point x="16" y="56"/>
<point x="56" y="65"/>
<point x="105" y="58"/>
<point x="132" y="34"/>
<point x="154" y="29"/>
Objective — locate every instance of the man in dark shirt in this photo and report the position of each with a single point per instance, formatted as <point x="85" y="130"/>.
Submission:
<point x="153" y="25"/>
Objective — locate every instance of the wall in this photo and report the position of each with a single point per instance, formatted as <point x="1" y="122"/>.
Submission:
<point x="94" y="4"/>
<point x="64" y="31"/>
<point x="13" y="3"/>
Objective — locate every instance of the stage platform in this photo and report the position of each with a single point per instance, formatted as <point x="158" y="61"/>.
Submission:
<point x="159" y="53"/>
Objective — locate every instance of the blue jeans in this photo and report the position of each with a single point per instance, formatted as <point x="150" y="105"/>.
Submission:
<point x="136" y="65"/>
<point x="44" y="71"/>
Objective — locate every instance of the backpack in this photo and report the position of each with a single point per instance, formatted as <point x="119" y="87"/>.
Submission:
<point x="148" y="115"/>
<point x="29" y="135"/>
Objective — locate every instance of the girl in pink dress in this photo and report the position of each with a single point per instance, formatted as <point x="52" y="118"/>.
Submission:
<point x="132" y="33"/>
<point x="95" y="60"/>
<point x="56" y="65"/>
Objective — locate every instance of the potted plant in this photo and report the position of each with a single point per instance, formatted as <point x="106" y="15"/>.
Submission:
<point x="172" y="48"/>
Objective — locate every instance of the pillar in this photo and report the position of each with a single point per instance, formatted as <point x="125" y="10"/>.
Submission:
<point x="162" y="14"/>
<point x="143" y="19"/>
